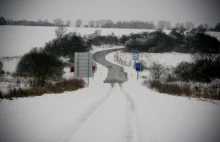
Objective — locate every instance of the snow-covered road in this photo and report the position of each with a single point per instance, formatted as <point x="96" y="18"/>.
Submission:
<point x="102" y="112"/>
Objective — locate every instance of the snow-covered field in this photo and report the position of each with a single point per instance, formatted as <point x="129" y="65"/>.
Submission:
<point x="131" y="113"/>
<point x="100" y="112"/>
<point x="17" y="40"/>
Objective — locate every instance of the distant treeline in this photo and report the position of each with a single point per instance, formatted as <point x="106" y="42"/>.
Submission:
<point x="45" y="22"/>
<point x="29" y="23"/>
<point x="130" y="25"/>
<point x="160" y="25"/>
<point x="194" y="41"/>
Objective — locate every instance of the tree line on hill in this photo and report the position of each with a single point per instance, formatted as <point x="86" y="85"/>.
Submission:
<point x="161" y="24"/>
<point x="45" y="22"/>
<point x="196" y="40"/>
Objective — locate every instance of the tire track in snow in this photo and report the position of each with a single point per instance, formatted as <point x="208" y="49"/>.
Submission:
<point x="131" y="124"/>
<point x="82" y="119"/>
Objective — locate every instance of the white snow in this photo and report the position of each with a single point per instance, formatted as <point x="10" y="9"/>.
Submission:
<point x="171" y="59"/>
<point x="166" y="118"/>
<point x="98" y="113"/>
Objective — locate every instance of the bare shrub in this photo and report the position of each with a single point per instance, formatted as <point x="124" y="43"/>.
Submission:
<point x="156" y="70"/>
<point x="205" y="68"/>
<point x="209" y="91"/>
<point x="172" y="89"/>
<point x="169" y="75"/>
<point x="65" y="85"/>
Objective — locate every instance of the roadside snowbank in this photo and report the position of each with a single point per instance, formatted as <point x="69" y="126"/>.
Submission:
<point x="167" y="118"/>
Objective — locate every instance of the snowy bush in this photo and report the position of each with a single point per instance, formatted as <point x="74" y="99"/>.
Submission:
<point x="205" y="67"/>
<point x="184" y="71"/>
<point x="98" y="40"/>
<point x="158" y="42"/>
<point x="40" y="65"/>
<point x="67" y="45"/>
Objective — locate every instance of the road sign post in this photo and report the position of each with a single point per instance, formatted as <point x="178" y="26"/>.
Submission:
<point x="138" y="68"/>
<point x="83" y="64"/>
<point x="135" y="56"/>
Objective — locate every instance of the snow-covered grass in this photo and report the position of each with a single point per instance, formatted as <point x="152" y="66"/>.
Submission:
<point x="166" y="59"/>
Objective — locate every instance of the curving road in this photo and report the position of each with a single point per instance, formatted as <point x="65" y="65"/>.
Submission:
<point x="115" y="72"/>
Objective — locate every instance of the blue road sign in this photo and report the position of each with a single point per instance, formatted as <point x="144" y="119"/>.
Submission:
<point x="138" y="66"/>
<point x="135" y="55"/>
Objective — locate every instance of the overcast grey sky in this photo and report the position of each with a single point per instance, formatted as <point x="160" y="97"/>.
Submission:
<point x="196" y="11"/>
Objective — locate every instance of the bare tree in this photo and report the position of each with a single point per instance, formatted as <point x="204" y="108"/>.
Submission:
<point x="68" y="23"/>
<point x="60" y="31"/>
<point x="102" y="22"/>
<point x="160" y="25"/>
<point x="97" y="23"/>
<point x="206" y="26"/>
<point x="78" y="23"/>
<point x="180" y="27"/>
<point x="91" y="23"/>
<point x="58" y="22"/>
<point x="168" y="25"/>
<point x="188" y="25"/>
<point x="46" y="21"/>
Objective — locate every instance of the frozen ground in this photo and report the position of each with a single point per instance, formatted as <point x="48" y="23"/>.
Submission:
<point x="105" y="113"/>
